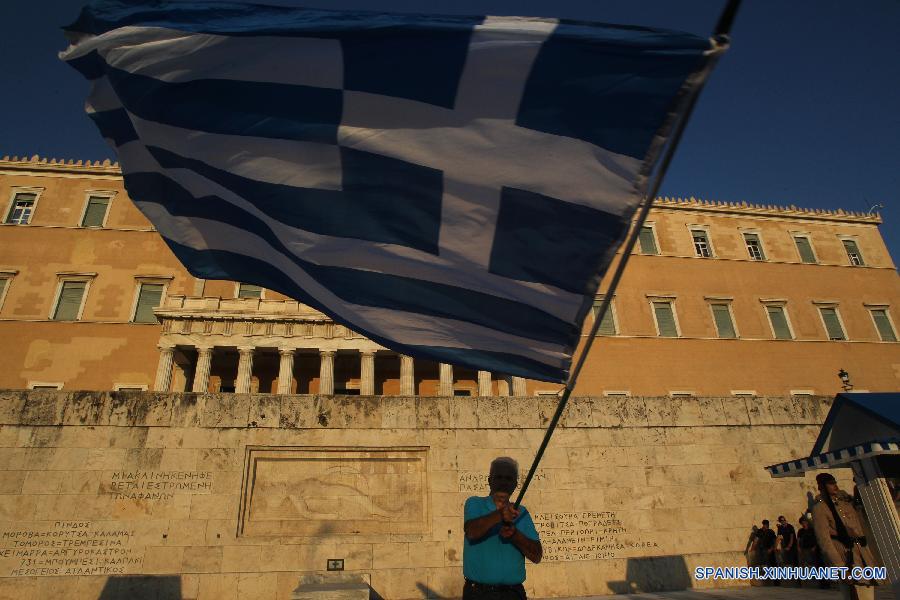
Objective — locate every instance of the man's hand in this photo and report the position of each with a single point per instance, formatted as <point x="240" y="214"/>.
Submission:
<point x="509" y="512"/>
<point x="507" y="531"/>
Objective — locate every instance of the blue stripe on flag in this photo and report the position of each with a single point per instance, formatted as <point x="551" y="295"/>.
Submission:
<point x="260" y="109"/>
<point x="115" y="125"/>
<point x="406" y="63"/>
<point x="91" y="65"/>
<point x="237" y="19"/>
<point x="612" y="93"/>
<point x="384" y="199"/>
<point x="366" y="288"/>
<point x="545" y="240"/>
<point x="218" y="264"/>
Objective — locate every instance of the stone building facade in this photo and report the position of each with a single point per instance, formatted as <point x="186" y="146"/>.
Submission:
<point x="718" y="299"/>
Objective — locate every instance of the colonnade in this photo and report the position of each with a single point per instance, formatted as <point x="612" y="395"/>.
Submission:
<point x="516" y="385"/>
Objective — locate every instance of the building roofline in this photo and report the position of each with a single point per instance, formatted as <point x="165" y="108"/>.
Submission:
<point x="108" y="167"/>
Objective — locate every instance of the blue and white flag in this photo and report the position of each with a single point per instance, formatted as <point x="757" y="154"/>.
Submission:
<point x="452" y="187"/>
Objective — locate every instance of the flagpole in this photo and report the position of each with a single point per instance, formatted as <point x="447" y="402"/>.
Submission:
<point x="720" y="43"/>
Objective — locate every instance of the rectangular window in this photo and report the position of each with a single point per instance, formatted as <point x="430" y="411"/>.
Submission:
<point x="648" y="240"/>
<point x="21" y="209"/>
<point x="71" y="297"/>
<point x="4" y="286"/>
<point x="853" y="253"/>
<point x="95" y="213"/>
<point x="754" y="246"/>
<point x="245" y="290"/>
<point x="149" y="297"/>
<point x="778" y="319"/>
<point x="832" y="323"/>
<point x="724" y="322"/>
<point x="804" y="247"/>
<point x="879" y="315"/>
<point x="665" y="319"/>
<point x="463" y="392"/>
<point x="608" y="324"/>
<point x="37" y="385"/>
<point x="701" y="243"/>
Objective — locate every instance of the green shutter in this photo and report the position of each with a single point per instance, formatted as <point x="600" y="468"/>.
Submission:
<point x="832" y="324"/>
<point x="665" y="319"/>
<point x="608" y="324"/>
<point x="96" y="212"/>
<point x="69" y="303"/>
<point x="882" y="324"/>
<point x="853" y="253"/>
<point x="724" y="325"/>
<point x="245" y="290"/>
<point x="149" y="298"/>
<point x="648" y="243"/>
<point x="779" y="322"/>
<point x="805" y="249"/>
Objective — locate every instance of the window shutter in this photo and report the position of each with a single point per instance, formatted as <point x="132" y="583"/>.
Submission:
<point x="648" y="243"/>
<point x="246" y="290"/>
<point x="69" y="300"/>
<point x="149" y="298"/>
<point x="882" y="324"/>
<point x="805" y="250"/>
<point x="853" y="253"/>
<point x="96" y="212"/>
<point x="608" y="324"/>
<point x="754" y="246"/>
<point x="724" y="325"/>
<point x="832" y="324"/>
<point x="665" y="319"/>
<point x="779" y="322"/>
<point x="3" y="283"/>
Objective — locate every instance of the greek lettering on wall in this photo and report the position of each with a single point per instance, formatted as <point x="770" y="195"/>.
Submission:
<point x="156" y="485"/>
<point x="589" y="535"/>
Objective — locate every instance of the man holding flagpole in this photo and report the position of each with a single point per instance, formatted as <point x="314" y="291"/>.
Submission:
<point x="499" y="537"/>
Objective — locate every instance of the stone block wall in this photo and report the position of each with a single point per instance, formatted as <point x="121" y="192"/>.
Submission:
<point x="188" y="496"/>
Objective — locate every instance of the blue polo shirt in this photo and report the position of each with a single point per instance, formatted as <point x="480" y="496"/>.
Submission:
<point x="492" y="559"/>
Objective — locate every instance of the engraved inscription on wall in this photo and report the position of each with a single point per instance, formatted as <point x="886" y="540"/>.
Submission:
<point x="590" y="535"/>
<point x="65" y="548"/>
<point x="314" y="491"/>
<point x="155" y="485"/>
<point x="477" y="481"/>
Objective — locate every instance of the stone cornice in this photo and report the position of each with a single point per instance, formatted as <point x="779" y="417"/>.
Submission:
<point x="37" y="163"/>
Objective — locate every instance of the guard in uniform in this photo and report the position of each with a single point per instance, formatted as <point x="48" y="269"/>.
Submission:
<point x="839" y="532"/>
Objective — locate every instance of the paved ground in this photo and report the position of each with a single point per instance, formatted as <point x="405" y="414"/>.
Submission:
<point x="748" y="593"/>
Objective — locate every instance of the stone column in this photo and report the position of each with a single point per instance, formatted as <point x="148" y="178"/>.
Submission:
<point x="201" y="372"/>
<point x="517" y="387"/>
<point x="407" y="376"/>
<point x="367" y="373"/>
<point x="326" y="372"/>
<point x="164" y="369"/>
<point x="484" y="383"/>
<point x="245" y="370"/>
<point x="445" y="388"/>
<point x="285" y="370"/>
<point x="882" y="513"/>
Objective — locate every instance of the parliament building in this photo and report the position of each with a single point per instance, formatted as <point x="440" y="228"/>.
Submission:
<point x="719" y="299"/>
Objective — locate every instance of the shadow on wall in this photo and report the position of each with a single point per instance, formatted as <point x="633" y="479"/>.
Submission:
<point x="142" y="587"/>
<point x="653" y="574"/>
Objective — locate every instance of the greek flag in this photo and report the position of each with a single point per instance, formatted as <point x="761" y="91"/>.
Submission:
<point x="452" y="187"/>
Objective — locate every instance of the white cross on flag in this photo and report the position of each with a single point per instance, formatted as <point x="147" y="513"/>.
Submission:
<point x="451" y="187"/>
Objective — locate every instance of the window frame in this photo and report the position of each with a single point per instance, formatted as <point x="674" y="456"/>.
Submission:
<point x="6" y="275"/>
<point x="15" y="191"/>
<point x="237" y="291"/>
<point x="759" y="239"/>
<point x="744" y="393"/>
<point x="835" y="307"/>
<point x="670" y="300"/>
<point x="652" y="227"/>
<point x="806" y="392"/>
<point x="871" y="308"/>
<point x="109" y="195"/>
<point x="682" y="394"/>
<point x="140" y="280"/>
<point x="711" y="301"/>
<point x="617" y="393"/>
<point x="45" y="385"/>
<point x="787" y="318"/>
<point x="855" y="240"/>
<point x="709" y="244"/>
<point x="118" y="387"/>
<point x="87" y="278"/>
<point x="808" y="238"/>
<point x="613" y="316"/>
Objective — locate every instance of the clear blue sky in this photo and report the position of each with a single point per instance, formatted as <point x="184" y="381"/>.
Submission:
<point x="804" y="109"/>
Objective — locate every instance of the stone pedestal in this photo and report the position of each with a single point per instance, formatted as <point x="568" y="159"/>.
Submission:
<point x="332" y="586"/>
